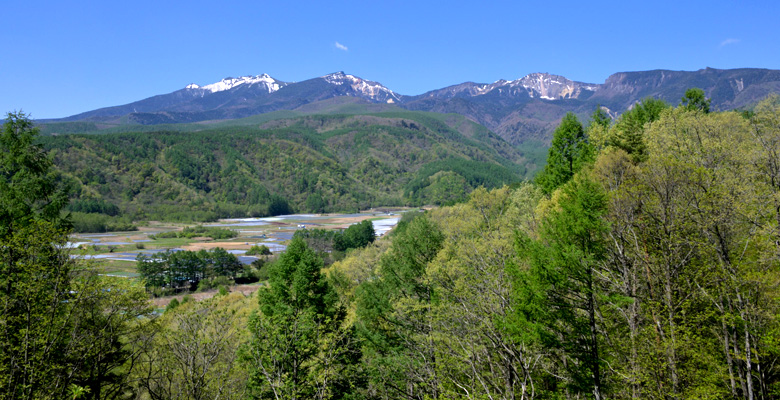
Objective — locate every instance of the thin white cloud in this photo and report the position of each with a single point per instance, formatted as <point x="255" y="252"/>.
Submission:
<point x="728" y="42"/>
<point x="341" y="46"/>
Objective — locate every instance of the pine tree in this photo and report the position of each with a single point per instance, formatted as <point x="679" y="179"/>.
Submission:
<point x="34" y="270"/>
<point x="561" y="295"/>
<point x="299" y="349"/>
<point x="394" y="315"/>
<point x="570" y="150"/>
<point x="29" y="189"/>
<point x="631" y="125"/>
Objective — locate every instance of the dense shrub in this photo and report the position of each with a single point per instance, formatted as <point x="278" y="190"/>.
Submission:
<point x="261" y="250"/>
<point x="198" y="231"/>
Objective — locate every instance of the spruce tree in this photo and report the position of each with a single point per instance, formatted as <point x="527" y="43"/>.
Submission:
<point x="35" y="271"/>
<point x="561" y="293"/>
<point x="570" y="150"/>
<point x="299" y="348"/>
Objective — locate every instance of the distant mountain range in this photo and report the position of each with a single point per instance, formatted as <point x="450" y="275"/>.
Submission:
<point x="517" y="110"/>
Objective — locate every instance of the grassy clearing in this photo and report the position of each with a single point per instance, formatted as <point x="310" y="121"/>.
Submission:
<point x="167" y="243"/>
<point x="115" y="267"/>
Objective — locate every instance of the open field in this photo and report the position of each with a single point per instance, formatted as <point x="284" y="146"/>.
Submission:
<point x="270" y="231"/>
<point x="115" y="253"/>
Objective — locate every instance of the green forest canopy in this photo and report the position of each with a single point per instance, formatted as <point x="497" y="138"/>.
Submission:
<point x="638" y="277"/>
<point x="310" y="164"/>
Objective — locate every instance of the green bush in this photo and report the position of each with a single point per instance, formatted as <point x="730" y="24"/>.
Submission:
<point x="213" y="283"/>
<point x="261" y="250"/>
<point x="173" y="304"/>
<point x="212" y="232"/>
<point x="165" y="235"/>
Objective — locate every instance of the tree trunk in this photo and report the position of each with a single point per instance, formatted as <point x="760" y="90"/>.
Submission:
<point x="594" y="349"/>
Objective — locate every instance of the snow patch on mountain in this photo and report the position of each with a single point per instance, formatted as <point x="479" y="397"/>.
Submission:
<point x="370" y="89"/>
<point x="270" y="84"/>
<point x="551" y="87"/>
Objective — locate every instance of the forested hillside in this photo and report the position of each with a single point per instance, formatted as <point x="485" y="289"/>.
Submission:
<point x="649" y="270"/>
<point x="642" y="263"/>
<point x="308" y="164"/>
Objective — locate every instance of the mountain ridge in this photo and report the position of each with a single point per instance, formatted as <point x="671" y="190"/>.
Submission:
<point x="518" y="110"/>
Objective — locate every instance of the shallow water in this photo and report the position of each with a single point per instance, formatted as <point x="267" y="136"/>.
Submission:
<point x="382" y="226"/>
<point x="269" y="236"/>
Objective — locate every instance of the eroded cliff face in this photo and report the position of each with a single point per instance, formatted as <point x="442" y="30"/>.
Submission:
<point x="639" y="82"/>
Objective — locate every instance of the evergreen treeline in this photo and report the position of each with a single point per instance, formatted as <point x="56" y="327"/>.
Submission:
<point x="190" y="232"/>
<point x="98" y="223"/>
<point x="185" y="269"/>
<point x="327" y="240"/>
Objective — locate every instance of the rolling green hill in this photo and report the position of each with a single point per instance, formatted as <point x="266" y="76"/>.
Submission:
<point x="260" y="166"/>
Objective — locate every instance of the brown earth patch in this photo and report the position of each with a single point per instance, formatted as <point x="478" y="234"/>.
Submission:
<point x="162" y="302"/>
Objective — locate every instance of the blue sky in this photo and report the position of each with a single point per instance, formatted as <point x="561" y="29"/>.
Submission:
<point x="62" y="58"/>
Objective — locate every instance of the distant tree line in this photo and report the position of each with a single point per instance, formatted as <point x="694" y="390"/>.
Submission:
<point x="326" y="240"/>
<point x="190" y="232"/>
<point x="185" y="269"/>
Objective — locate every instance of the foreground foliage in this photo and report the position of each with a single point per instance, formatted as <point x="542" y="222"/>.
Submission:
<point x="650" y="272"/>
<point x="63" y="328"/>
<point x="646" y="274"/>
<point x="192" y="350"/>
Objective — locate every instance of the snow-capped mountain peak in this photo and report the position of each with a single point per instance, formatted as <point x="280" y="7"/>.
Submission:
<point x="270" y="84"/>
<point x="551" y="87"/>
<point x="338" y="78"/>
<point x="537" y="85"/>
<point x="373" y="90"/>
